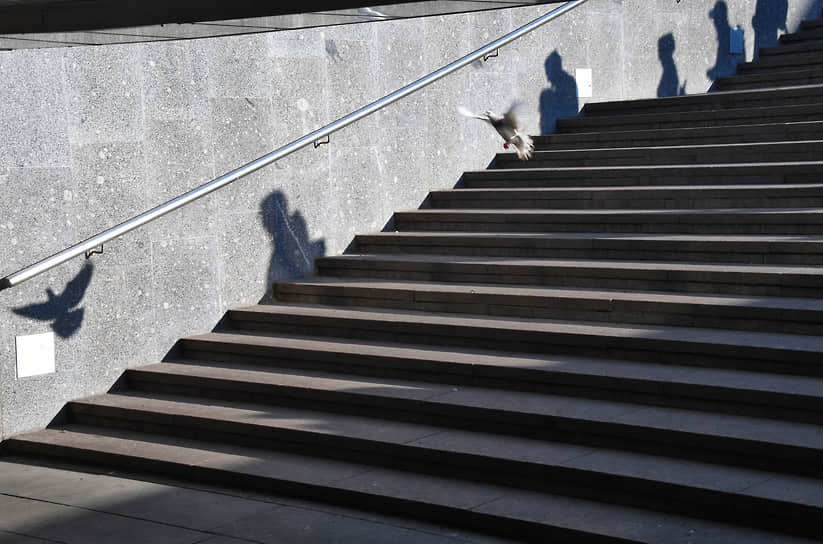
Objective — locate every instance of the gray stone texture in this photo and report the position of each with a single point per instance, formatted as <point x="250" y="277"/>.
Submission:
<point x="90" y="136"/>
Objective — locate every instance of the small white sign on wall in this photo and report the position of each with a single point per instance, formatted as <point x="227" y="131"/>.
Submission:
<point x="583" y="76"/>
<point x="35" y="354"/>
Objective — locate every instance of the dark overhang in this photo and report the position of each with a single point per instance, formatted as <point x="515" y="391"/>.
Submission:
<point x="49" y="23"/>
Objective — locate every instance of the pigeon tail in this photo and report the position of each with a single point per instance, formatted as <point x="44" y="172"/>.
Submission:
<point x="523" y="146"/>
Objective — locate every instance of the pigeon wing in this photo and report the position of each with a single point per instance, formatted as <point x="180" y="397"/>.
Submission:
<point x="466" y="113"/>
<point x="45" y="311"/>
<point x="76" y="288"/>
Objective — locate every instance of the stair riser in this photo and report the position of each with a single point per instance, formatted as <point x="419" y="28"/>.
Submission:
<point x="645" y="224"/>
<point x="752" y="154"/>
<point x="683" y="200"/>
<point x="575" y="309"/>
<point x="767" y="174"/>
<point x="742" y="83"/>
<point x="650" y="440"/>
<point x="585" y="484"/>
<point x="710" y="252"/>
<point x="714" y="135"/>
<point x="729" y="400"/>
<point x="701" y="104"/>
<point x="802" y="35"/>
<point x="780" y="285"/>
<point x="181" y="470"/>
<point x="690" y="119"/>
<point x="809" y="46"/>
<point x="780" y="63"/>
<point x="583" y="344"/>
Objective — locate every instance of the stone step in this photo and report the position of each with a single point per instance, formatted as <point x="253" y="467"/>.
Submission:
<point x="803" y="33"/>
<point x="683" y="277"/>
<point x="691" y="119"/>
<point x="728" y="391"/>
<point x="808" y="150"/>
<point x="670" y="221"/>
<point x="767" y="173"/>
<point x="810" y="45"/>
<point x="773" y="314"/>
<point x="545" y="466"/>
<point x="697" y="435"/>
<point x="780" y="63"/>
<point x="749" y="249"/>
<point x="494" y="509"/>
<point x="759" y="351"/>
<point x="811" y="24"/>
<point x="742" y="133"/>
<point x="751" y="99"/>
<point x="632" y="197"/>
<point x="807" y="76"/>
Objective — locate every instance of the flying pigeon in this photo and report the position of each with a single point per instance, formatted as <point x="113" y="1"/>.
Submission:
<point x="506" y="125"/>
<point x="58" y="308"/>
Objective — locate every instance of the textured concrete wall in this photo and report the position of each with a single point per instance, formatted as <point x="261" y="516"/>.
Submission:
<point x="91" y="136"/>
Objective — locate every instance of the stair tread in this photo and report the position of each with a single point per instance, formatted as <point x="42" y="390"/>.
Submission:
<point x="643" y="168"/>
<point x="708" y="113"/>
<point x="395" y="319"/>
<point x="426" y="288"/>
<point x="364" y="432"/>
<point x="620" y="189"/>
<point x="522" y="405"/>
<point x="734" y="214"/>
<point x="468" y="362"/>
<point x="754" y="128"/>
<point x="581" y="515"/>
<point x="599" y="108"/>
<point x="731" y="147"/>
<point x="787" y="239"/>
<point x="650" y="265"/>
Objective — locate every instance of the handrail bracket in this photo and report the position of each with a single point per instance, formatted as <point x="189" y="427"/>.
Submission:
<point x="94" y="251"/>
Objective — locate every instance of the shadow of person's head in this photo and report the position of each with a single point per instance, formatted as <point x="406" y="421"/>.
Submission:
<point x="293" y="252"/>
<point x="665" y="47"/>
<point x="720" y="15"/>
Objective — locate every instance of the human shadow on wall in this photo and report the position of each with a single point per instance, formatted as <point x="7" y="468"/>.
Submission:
<point x="769" y="18"/>
<point x="812" y="11"/>
<point x="60" y="309"/>
<point x="725" y="63"/>
<point x="669" y="80"/>
<point x="293" y="253"/>
<point x="560" y="99"/>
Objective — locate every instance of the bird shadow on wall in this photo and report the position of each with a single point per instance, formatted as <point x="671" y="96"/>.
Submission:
<point x="293" y="252"/>
<point x="559" y="100"/>
<point x="670" y="80"/>
<point x="61" y="310"/>
<point x="726" y="62"/>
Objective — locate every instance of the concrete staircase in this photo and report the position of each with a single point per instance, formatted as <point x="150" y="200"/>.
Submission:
<point x="620" y="340"/>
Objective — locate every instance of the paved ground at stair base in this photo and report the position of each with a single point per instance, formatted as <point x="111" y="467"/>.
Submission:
<point x="49" y="504"/>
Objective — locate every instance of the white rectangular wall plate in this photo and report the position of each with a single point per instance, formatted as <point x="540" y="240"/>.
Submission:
<point x="35" y="354"/>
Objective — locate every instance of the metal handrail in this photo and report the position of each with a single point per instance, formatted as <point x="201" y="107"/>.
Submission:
<point x="96" y="241"/>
